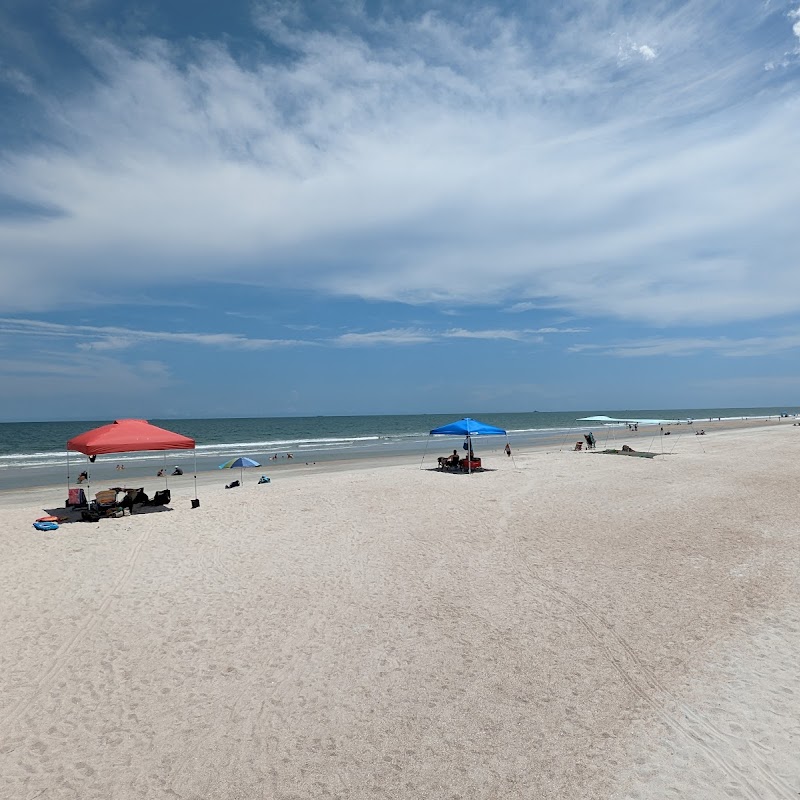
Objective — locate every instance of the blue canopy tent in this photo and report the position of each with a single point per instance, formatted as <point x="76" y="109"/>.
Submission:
<point x="468" y="428"/>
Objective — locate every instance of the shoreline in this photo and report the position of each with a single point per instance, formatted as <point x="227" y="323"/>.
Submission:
<point x="647" y="438"/>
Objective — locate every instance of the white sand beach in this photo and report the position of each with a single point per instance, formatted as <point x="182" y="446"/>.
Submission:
<point x="563" y="625"/>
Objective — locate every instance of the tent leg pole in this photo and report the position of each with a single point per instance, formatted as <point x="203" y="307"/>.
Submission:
<point x="513" y="460"/>
<point x="195" y="474"/>
<point x="425" y="453"/>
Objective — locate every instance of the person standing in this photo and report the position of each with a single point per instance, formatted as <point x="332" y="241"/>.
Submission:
<point x="508" y="449"/>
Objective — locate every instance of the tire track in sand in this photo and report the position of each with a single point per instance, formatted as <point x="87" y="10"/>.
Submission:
<point x="61" y="655"/>
<point x="642" y="681"/>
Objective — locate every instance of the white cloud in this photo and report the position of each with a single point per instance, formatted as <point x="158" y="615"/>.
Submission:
<point x="392" y="336"/>
<point x="109" y="338"/>
<point x="796" y="26"/>
<point x="523" y="334"/>
<point x="724" y="346"/>
<point x="454" y="163"/>
<point x="516" y="336"/>
<point x="98" y="339"/>
<point x="629" y="50"/>
<point x="646" y="52"/>
<point x="405" y="336"/>
<point x="559" y="330"/>
<point x="790" y="57"/>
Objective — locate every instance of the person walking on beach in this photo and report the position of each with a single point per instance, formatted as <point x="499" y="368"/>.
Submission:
<point x="508" y="449"/>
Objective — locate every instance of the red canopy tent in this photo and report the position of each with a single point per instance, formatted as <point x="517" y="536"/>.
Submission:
<point x="127" y="436"/>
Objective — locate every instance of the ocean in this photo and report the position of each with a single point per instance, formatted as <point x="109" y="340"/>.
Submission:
<point x="33" y="453"/>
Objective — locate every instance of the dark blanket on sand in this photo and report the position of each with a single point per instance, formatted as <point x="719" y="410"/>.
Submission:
<point x="626" y="451"/>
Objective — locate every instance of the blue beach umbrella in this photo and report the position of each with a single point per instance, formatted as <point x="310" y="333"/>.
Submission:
<point x="241" y="463"/>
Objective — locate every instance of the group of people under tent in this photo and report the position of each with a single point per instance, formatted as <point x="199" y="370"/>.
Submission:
<point x="454" y="459"/>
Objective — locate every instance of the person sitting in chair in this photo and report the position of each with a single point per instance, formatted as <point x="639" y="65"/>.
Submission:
<point x="448" y="462"/>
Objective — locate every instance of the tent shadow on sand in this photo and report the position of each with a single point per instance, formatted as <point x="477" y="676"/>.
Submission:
<point x="68" y="515"/>
<point x="459" y="471"/>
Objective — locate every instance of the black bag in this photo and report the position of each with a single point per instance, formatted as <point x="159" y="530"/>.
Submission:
<point x="90" y="516"/>
<point x="160" y="498"/>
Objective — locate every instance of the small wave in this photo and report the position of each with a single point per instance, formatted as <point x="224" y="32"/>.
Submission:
<point x="280" y="444"/>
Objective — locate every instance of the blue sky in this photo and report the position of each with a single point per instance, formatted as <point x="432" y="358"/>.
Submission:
<point x="263" y="208"/>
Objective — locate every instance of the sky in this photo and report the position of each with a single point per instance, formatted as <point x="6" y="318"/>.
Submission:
<point x="311" y="208"/>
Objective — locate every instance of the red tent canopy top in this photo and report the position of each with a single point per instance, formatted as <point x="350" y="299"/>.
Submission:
<point x="127" y="436"/>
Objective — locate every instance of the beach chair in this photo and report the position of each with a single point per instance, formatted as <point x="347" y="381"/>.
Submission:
<point x="106" y="498"/>
<point x="77" y="499"/>
<point x="105" y="504"/>
<point x="160" y="498"/>
<point x="137" y="496"/>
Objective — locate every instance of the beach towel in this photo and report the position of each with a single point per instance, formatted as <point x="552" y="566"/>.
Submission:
<point x="77" y="498"/>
